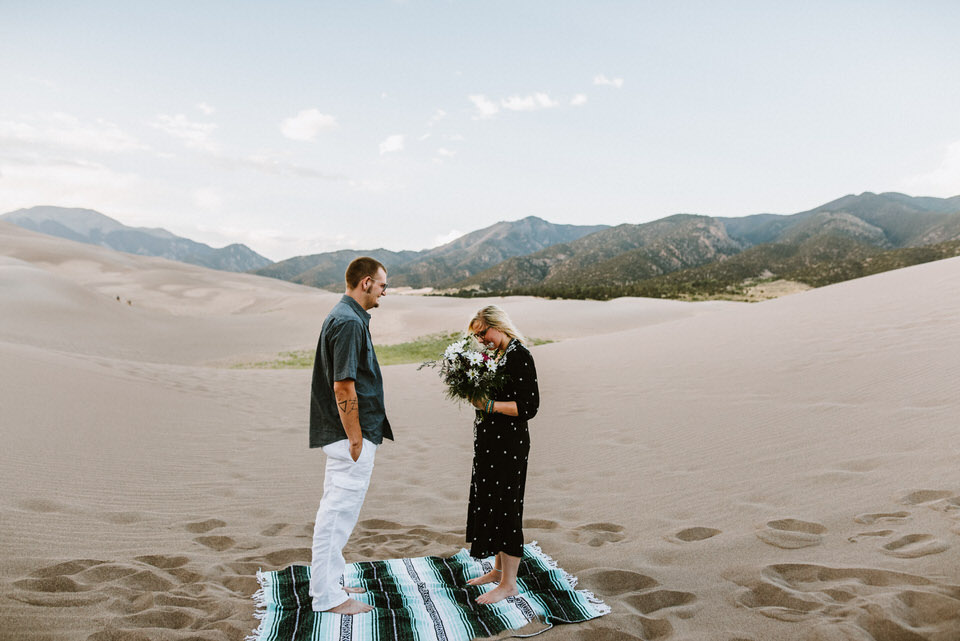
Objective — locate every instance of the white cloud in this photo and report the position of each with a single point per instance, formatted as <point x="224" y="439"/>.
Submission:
<point x="485" y="107"/>
<point x="392" y="144"/>
<point x="610" y="82"/>
<point x="196" y="135"/>
<point x="206" y="109"/>
<point x="455" y="137"/>
<point x="31" y="180"/>
<point x="63" y="131"/>
<point x="447" y="238"/>
<point x="532" y="102"/>
<point x="943" y="180"/>
<point x="579" y="99"/>
<point x="307" y="124"/>
<point x="446" y="153"/>
<point x="437" y="116"/>
<point x="423" y="137"/>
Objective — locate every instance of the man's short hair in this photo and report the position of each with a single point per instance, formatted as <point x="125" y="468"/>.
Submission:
<point x="360" y="268"/>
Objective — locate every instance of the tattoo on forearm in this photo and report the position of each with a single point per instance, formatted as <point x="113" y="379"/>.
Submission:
<point x="348" y="405"/>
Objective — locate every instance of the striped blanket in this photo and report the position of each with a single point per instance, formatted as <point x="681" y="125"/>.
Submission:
<point x="422" y="599"/>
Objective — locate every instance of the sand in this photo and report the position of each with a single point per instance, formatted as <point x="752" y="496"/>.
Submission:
<point x="715" y="471"/>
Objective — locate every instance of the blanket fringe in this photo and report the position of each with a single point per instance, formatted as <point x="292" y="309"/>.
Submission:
<point x="260" y="606"/>
<point x="571" y="579"/>
<point x="598" y="604"/>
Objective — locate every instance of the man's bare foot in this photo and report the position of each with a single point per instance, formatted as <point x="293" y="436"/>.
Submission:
<point x="493" y="576"/>
<point x="350" y="606"/>
<point x="354" y="590"/>
<point x="498" y="593"/>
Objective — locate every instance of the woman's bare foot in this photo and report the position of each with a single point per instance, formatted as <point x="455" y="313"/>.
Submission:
<point x="354" y="590"/>
<point x="350" y="606"/>
<point x="498" y="593"/>
<point x="492" y="576"/>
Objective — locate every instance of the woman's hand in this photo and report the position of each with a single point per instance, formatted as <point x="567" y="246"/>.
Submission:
<point x="479" y="403"/>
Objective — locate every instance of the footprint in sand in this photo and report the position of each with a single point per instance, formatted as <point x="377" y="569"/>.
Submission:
<point x="875" y="517"/>
<point x="162" y="561"/>
<point x="950" y="504"/>
<point x="862" y="535"/>
<point x="851" y="601"/>
<point x="617" y="634"/>
<point x="202" y="527"/>
<point x="218" y="543"/>
<point x="643" y="596"/>
<point x="924" y="496"/>
<point x="289" y="556"/>
<point x="913" y="546"/>
<point x="791" y="533"/>
<point x="597" y="534"/>
<point x="658" y="600"/>
<point x="540" y="524"/>
<point x="610" y="582"/>
<point x="691" y="534"/>
<point x="127" y="587"/>
<point x="275" y="529"/>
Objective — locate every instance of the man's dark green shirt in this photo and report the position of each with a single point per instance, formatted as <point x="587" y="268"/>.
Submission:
<point x="345" y="352"/>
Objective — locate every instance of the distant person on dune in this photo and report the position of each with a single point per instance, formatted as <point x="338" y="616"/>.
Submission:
<point x="501" y="445"/>
<point x="348" y="420"/>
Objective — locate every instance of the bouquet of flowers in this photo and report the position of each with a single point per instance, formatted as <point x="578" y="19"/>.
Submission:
<point x="470" y="369"/>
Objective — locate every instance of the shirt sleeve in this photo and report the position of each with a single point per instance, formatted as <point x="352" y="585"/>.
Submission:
<point x="525" y="383"/>
<point x="346" y="342"/>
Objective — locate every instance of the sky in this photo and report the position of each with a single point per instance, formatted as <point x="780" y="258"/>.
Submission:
<point x="303" y="127"/>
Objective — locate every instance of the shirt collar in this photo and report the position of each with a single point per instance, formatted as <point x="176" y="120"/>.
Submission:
<point x="355" y="306"/>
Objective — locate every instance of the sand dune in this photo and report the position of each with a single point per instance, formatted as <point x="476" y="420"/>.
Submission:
<point x="782" y="470"/>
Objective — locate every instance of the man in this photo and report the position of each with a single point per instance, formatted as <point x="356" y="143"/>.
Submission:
<point x="347" y="420"/>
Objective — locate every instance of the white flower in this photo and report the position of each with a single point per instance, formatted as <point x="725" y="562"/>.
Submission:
<point x="472" y="374"/>
<point x="474" y="358"/>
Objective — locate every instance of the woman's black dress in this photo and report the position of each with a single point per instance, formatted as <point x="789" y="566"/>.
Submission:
<point x="501" y="445"/>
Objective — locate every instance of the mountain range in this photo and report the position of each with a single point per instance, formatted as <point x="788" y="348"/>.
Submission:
<point x="440" y="267"/>
<point x="680" y="256"/>
<point x="89" y="226"/>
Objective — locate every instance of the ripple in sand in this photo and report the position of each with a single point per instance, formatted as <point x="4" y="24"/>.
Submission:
<point x="913" y="546"/>
<point x="791" y="533"/>
<point x="42" y="505"/>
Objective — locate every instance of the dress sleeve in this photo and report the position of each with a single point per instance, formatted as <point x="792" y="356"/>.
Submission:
<point x="525" y="384"/>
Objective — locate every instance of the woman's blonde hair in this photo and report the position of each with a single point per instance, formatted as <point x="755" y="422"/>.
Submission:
<point x="493" y="316"/>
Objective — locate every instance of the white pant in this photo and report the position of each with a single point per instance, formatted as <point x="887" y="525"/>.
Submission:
<point x="344" y="487"/>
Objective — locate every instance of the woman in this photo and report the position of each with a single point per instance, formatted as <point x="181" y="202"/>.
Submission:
<point x="501" y="444"/>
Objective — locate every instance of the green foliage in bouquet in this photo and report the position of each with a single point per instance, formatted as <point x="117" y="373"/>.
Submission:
<point x="470" y="369"/>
